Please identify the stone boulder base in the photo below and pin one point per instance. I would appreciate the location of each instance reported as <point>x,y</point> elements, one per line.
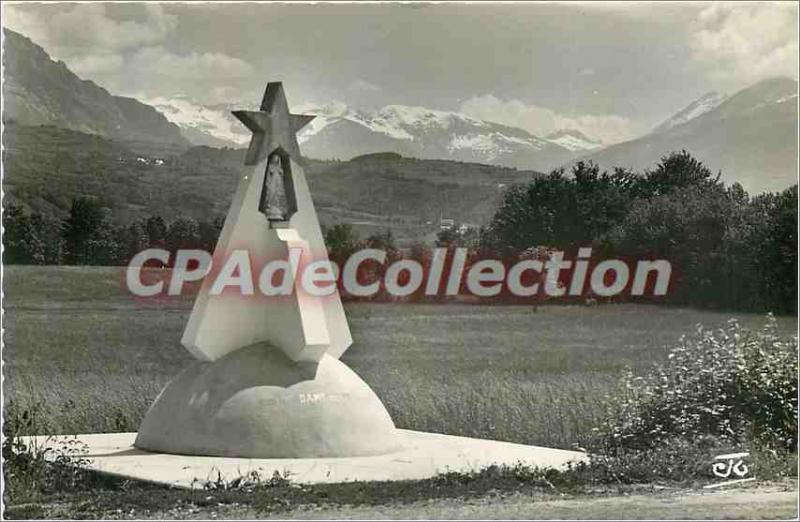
<point>257,403</point>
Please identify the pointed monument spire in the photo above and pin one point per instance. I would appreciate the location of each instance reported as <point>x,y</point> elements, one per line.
<point>303,326</point>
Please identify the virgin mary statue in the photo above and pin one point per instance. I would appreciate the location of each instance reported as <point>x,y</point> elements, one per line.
<point>273,201</point>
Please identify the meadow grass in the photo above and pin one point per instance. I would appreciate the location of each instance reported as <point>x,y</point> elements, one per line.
<point>94,358</point>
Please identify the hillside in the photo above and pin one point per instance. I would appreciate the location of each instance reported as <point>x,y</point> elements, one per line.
<point>409,192</point>
<point>45,167</point>
<point>751,137</point>
<point>38,90</point>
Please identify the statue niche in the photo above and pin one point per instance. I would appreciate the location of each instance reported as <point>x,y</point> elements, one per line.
<point>277,201</point>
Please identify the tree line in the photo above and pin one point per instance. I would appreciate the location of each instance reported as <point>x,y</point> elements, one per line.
<point>728,249</point>
<point>87,236</point>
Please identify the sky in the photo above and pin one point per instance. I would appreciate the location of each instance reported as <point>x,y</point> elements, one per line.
<point>611,70</point>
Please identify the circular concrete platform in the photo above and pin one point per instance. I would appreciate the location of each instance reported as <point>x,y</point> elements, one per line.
<point>257,403</point>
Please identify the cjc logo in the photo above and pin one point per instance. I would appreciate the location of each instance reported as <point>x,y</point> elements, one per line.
<point>730,464</point>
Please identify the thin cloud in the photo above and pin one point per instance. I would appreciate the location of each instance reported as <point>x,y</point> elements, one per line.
<point>85,28</point>
<point>160,62</point>
<point>360,85</point>
<point>747,42</point>
<point>542,121</point>
<point>122,55</point>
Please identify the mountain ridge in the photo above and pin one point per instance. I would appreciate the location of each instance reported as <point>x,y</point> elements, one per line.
<point>708,101</point>
<point>41,91</point>
<point>341,132</point>
<point>750,136</point>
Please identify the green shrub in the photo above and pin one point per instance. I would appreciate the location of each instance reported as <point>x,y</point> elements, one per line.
<point>735,385</point>
<point>30,470</point>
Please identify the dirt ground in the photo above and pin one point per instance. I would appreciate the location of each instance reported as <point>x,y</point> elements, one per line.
<point>761,501</point>
<point>764,502</point>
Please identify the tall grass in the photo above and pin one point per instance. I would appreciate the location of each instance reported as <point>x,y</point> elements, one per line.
<point>94,359</point>
<point>555,411</point>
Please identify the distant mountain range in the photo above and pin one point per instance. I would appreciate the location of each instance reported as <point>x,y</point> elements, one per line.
<point>426,133</point>
<point>341,132</point>
<point>38,90</point>
<point>751,136</point>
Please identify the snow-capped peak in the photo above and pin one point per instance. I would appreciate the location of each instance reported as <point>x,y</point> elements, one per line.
<point>423,117</point>
<point>396,121</point>
<point>197,119</point>
<point>340,131</point>
<point>698,107</point>
<point>573,140</point>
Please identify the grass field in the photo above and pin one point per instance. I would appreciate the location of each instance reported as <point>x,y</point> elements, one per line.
<point>94,358</point>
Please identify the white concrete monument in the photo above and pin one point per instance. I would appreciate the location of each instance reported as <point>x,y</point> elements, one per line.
<point>268,392</point>
<point>268,382</point>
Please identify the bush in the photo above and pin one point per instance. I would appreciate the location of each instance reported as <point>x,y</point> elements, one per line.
<point>30,471</point>
<point>733,385</point>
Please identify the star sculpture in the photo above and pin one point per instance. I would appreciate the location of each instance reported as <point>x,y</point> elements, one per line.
<point>272,125</point>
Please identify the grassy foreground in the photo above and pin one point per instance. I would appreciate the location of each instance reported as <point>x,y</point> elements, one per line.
<point>440,498</point>
<point>93,358</point>
<point>81,355</point>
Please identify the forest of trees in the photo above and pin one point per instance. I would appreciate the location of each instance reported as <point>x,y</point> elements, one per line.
<point>88,236</point>
<point>728,249</point>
